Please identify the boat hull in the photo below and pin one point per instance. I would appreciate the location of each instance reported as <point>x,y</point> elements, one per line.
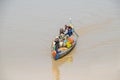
<point>65,52</point>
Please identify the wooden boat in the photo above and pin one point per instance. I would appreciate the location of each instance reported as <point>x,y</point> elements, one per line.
<point>63,50</point>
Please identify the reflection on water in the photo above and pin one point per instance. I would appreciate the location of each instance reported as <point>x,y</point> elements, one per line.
<point>56,64</point>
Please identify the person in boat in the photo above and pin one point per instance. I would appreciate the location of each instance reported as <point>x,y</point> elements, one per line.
<point>56,44</point>
<point>61,31</point>
<point>68,30</point>
<point>61,34</point>
<point>61,37</point>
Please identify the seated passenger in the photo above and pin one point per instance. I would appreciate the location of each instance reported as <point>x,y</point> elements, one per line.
<point>70,31</point>
<point>61,31</point>
<point>56,44</point>
<point>66,29</point>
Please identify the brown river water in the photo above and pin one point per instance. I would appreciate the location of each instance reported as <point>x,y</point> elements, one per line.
<point>27,28</point>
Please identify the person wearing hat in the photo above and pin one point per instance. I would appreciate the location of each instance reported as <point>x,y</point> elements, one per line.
<point>70,31</point>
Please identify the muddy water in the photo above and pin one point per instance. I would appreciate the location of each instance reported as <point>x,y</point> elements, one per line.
<point>28,27</point>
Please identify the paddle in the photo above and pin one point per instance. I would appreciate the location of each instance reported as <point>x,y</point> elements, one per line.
<point>70,21</point>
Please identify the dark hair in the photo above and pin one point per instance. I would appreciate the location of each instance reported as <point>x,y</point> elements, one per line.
<point>61,30</point>
<point>69,27</point>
